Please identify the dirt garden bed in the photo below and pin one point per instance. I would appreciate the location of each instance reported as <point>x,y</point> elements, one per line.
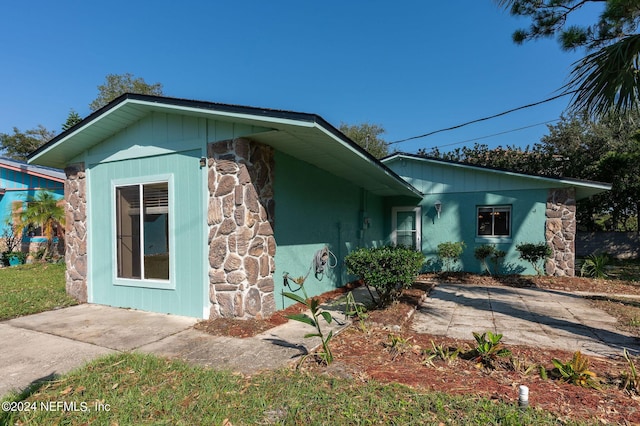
<point>383,348</point>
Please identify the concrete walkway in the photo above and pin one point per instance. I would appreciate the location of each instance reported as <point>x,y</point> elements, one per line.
<point>55,342</point>
<point>44,345</point>
<point>525,316</point>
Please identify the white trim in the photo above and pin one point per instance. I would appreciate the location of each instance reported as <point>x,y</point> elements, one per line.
<point>418,218</point>
<point>492,236</point>
<point>169,284</point>
<point>570,182</point>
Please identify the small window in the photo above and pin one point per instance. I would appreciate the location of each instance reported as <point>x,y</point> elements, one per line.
<point>142,240</point>
<point>494,221</point>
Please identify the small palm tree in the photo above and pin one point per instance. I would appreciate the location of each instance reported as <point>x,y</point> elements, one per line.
<point>42,210</point>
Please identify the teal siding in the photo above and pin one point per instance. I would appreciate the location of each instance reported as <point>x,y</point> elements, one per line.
<point>434,178</point>
<point>186,230</point>
<point>461,190</point>
<point>156,145</point>
<point>314,209</point>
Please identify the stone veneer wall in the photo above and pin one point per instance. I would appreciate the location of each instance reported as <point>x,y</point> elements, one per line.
<point>75,196</point>
<point>240,218</point>
<point>560,231</point>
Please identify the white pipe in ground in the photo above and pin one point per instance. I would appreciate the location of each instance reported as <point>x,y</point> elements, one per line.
<point>523,396</point>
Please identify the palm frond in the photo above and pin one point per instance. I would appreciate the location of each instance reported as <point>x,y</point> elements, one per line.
<point>607,80</point>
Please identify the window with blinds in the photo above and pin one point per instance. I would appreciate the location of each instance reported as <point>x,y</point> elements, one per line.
<point>142,227</point>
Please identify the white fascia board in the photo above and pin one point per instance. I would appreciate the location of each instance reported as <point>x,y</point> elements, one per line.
<point>218,113</point>
<point>357,152</point>
<point>569,182</point>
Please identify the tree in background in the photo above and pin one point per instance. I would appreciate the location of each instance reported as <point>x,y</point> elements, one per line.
<point>72,119</point>
<point>606,150</point>
<point>20,144</point>
<point>42,210</point>
<point>368,137</point>
<point>118,84</point>
<point>607,79</point>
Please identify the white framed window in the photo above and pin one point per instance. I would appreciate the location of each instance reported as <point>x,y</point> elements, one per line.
<point>143,237</point>
<point>406,229</point>
<point>493,221</point>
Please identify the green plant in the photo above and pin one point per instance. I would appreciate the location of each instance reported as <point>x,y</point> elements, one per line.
<point>388,269</point>
<point>544,375</point>
<point>595,266</point>
<point>397,345</point>
<point>6,256</point>
<point>482,253</point>
<point>488,349</point>
<point>355,309</point>
<point>631,380</point>
<point>450,253</point>
<point>575,371</point>
<point>521,366</point>
<point>534,253</point>
<point>486,253</point>
<point>447,354</point>
<point>314,320</point>
<point>44,210</point>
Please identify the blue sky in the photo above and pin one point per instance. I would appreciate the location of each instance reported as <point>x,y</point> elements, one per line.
<point>410,66</point>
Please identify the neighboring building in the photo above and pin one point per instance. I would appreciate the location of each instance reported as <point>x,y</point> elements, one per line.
<point>18,182</point>
<point>232,198</point>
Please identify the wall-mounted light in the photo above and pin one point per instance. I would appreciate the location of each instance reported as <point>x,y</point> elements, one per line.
<point>203,161</point>
<point>438,206</point>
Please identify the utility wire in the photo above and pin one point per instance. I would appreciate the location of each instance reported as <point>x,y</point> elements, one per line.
<point>498,134</point>
<point>483,118</point>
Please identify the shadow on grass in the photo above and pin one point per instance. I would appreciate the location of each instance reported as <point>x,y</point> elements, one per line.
<point>31,389</point>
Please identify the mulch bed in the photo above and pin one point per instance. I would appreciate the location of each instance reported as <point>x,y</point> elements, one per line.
<point>362,352</point>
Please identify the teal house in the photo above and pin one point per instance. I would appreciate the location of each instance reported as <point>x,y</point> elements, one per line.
<point>20,181</point>
<point>203,209</point>
<point>484,206</point>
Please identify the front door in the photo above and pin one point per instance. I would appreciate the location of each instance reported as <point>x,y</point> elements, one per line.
<point>405,227</point>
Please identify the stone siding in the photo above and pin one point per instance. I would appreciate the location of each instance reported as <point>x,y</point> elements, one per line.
<point>240,218</point>
<point>75,195</point>
<point>560,232</point>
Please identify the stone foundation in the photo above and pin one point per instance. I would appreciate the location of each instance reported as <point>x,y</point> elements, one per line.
<point>75,197</point>
<point>240,218</point>
<point>560,232</point>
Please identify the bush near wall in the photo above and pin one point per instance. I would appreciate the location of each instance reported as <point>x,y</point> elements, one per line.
<point>388,269</point>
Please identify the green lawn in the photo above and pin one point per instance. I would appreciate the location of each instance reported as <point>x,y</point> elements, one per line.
<point>144,389</point>
<point>29,289</point>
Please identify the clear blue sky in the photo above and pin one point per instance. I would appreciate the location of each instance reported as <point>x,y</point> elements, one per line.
<point>410,66</point>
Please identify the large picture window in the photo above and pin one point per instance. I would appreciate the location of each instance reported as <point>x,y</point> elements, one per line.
<point>494,221</point>
<point>142,228</point>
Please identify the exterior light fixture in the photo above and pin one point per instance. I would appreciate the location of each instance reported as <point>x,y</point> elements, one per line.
<point>438,206</point>
<point>203,161</point>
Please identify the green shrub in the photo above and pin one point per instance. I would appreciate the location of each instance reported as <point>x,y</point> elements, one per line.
<point>488,349</point>
<point>487,252</point>
<point>575,371</point>
<point>450,253</point>
<point>534,253</point>
<point>595,266</point>
<point>388,269</point>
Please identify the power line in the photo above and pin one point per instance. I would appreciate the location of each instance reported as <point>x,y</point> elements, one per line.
<point>482,119</point>
<point>498,134</point>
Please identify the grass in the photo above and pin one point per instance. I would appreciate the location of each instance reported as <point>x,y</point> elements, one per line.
<point>144,389</point>
<point>29,289</point>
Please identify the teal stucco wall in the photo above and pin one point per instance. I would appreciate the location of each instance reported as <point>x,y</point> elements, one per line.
<point>316,209</point>
<point>458,220</point>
